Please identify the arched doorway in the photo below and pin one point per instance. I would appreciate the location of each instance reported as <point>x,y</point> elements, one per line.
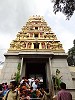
<point>36,70</point>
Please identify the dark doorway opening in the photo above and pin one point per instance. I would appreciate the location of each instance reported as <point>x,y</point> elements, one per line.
<point>36,70</point>
<point>36,45</point>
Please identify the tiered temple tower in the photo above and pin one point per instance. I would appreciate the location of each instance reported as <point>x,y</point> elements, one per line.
<point>36,36</point>
<point>40,53</point>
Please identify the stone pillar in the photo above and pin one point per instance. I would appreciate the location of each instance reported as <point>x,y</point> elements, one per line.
<point>21,67</point>
<point>47,74</point>
<point>50,79</point>
<point>24,69</point>
<point>23,73</point>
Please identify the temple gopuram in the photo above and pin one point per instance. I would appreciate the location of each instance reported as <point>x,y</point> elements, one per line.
<point>40,53</point>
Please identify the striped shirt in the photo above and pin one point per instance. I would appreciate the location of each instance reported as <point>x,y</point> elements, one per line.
<point>64,95</point>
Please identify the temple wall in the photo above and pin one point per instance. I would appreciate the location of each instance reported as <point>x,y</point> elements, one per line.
<point>61,65</point>
<point>9,68</point>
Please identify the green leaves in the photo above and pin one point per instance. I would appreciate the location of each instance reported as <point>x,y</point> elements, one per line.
<point>71,55</point>
<point>17,78</point>
<point>67,7</point>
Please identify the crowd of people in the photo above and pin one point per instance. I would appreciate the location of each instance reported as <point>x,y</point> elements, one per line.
<point>31,89</point>
<point>27,89</point>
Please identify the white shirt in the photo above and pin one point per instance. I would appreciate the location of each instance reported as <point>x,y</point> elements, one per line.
<point>34,86</point>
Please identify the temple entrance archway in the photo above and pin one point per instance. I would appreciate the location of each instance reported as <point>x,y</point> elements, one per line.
<point>36,70</point>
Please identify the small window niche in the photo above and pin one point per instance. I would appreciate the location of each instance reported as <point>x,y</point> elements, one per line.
<point>35,35</point>
<point>36,45</point>
<point>36,28</point>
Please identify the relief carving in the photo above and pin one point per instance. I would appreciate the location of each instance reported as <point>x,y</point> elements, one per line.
<point>60,46</point>
<point>31,34</point>
<point>41,35</point>
<point>48,45</point>
<point>12,46</point>
<point>29,45</point>
<point>17,45</point>
<point>23,45</point>
<point>43,45</point>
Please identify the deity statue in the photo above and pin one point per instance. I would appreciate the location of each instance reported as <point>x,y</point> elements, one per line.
<point>41,35</point>
<point>48,46</point>
<point>43,45</point>
<point>24,45</point>
<point>29,45</point>
<point>31,34</point>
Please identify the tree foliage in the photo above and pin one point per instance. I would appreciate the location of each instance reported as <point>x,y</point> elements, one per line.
<point>71,56</point>
<point>65,6</point>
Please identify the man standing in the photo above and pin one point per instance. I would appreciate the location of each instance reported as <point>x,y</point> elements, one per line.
<point>12,94</point>
<point>63,94</point>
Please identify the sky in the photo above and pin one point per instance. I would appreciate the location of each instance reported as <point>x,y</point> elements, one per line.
<point>15,13</point>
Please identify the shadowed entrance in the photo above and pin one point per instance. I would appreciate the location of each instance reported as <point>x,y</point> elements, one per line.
<point>36,70</point>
